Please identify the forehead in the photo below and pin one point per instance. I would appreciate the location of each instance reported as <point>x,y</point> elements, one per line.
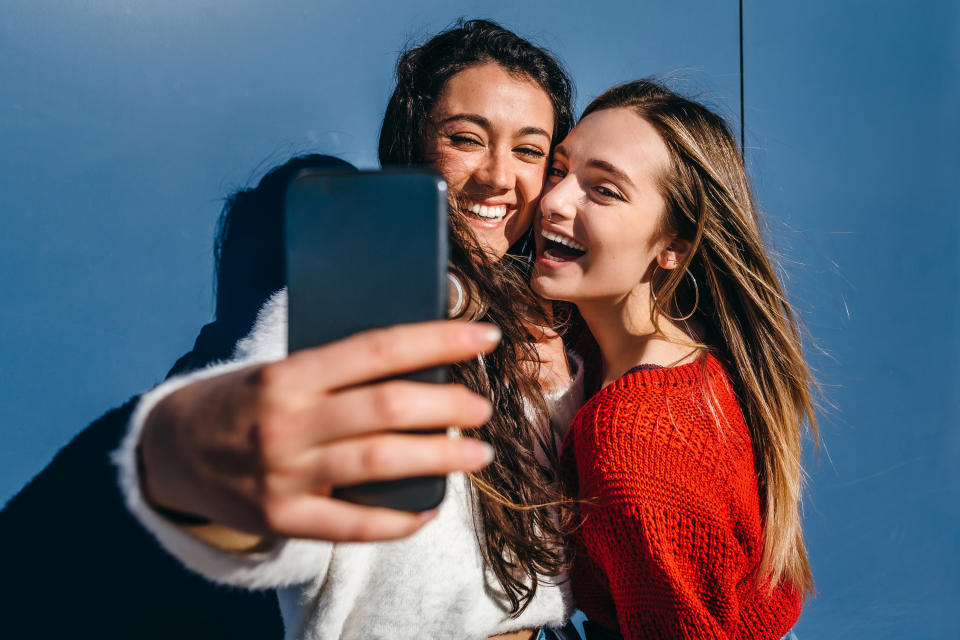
<point>622,138</point>
<point>491,91</point>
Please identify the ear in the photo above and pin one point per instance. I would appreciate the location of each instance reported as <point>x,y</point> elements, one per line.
<point>674,253</point>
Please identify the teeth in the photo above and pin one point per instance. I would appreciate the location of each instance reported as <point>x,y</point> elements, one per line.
<point>494,212</point>
<point>569,242</point>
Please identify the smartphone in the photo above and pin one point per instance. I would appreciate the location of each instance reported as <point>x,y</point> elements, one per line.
<point>368,249</point>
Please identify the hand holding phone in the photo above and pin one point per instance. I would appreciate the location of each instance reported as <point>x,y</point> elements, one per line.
<point>257,449</point>
<point>368,250</point>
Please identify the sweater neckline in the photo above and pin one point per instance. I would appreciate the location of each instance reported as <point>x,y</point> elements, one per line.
<point>682,375</point>
<point>668,379</point>
<point>644,366</point>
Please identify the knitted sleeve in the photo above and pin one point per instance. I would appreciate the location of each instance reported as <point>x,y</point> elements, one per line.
<point>661,529</point>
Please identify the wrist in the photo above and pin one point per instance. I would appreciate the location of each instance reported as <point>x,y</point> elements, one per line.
<point>201,527</point>
<point>174,515</point>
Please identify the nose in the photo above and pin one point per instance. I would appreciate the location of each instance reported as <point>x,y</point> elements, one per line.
<point>496,171</point>
<point>559,201</point>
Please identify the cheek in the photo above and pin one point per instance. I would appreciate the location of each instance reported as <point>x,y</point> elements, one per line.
<point>452,165</point>
<point>530,189</point>
<point>620,254</point>
<point>523,219</point>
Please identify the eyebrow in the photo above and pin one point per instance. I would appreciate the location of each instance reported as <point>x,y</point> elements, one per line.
<point>600,164</point>
<point>483,122</point>
<point>606,166</point>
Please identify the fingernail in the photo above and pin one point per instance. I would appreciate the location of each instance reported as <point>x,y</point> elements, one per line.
<point>480,452</point>
<point>484,408</point>
<point>484,335</point>
<point>427,516</point>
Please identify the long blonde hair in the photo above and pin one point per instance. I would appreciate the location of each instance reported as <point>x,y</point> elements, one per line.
<point>746,317</point>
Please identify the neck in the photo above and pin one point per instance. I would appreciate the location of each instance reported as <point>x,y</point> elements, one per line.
<point>627,336</point>
<point>554,368</point>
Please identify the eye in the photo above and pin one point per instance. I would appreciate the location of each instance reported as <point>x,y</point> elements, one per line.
<point>606,192</point>
<point>556,172</point>
<point>459,140</point>
<point>530,152</point>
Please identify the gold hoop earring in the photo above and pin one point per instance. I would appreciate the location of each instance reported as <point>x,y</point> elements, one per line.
<point>696,299</point>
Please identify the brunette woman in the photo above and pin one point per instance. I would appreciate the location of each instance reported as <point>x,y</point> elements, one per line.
<point>688,458</point>
<point>231,468</point>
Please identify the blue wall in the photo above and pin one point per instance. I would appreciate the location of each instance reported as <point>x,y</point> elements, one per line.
<point>124,123</point>
<point>852,123</point>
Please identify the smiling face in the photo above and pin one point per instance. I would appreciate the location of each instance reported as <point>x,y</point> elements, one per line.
<point>490,139</point>
<point>600,230</point>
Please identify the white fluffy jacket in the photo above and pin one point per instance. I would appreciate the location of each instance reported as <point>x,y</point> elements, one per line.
<point>432,584</point>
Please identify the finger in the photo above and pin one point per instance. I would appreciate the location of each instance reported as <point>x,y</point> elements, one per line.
<point>386,406</point>
<point>395,405</point>
<point>389,457</point>
<point>338,521</point>
<point>382,353</point>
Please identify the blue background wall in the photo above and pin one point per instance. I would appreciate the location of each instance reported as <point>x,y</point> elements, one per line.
<point>852,123</point>
<point>124,123</point>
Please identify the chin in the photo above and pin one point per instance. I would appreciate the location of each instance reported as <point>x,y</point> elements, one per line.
<point>493,241</point>
<point>495,238</point>
<point>546,288</point>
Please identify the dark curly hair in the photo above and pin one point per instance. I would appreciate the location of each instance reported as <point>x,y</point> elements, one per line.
<point>519,535</point>
<point>423,71</point>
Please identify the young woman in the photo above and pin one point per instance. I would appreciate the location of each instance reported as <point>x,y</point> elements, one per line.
<point>688,458</point>
<point>256,444</point>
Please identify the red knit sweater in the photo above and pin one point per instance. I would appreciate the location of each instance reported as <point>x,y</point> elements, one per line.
<point>672,532</point>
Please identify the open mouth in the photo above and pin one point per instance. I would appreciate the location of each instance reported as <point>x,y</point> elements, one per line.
<point>560,248</point>
<point>486,213</point>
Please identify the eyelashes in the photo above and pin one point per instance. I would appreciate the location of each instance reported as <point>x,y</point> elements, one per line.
<point>463,140</point>
<point>609,193</point>
<point>533,153</point>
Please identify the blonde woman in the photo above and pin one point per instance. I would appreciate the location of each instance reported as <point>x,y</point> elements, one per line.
<point>687,457</point>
